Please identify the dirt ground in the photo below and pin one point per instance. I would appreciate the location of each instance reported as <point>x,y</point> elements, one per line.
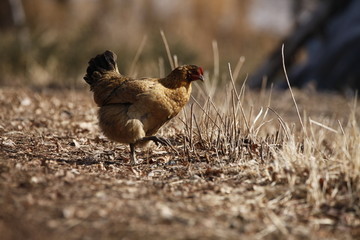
<point>60,178</point>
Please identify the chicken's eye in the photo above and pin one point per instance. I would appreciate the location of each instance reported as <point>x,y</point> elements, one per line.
<point>189,76</point>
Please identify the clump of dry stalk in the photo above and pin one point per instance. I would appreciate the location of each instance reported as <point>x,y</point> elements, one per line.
<point>224,125</point>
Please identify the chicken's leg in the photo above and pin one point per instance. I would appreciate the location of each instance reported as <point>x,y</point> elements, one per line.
<point>132,154</point>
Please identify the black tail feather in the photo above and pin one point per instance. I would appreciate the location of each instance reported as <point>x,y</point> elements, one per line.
<point>99,65</point>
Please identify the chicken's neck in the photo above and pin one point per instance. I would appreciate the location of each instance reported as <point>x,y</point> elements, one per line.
<point>174,81</point>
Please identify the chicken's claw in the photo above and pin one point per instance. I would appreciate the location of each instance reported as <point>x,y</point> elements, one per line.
<point>160,140</point>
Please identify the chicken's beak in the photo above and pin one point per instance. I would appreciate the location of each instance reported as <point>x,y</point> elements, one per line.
<point>197,77</point>
<point>201,78</point>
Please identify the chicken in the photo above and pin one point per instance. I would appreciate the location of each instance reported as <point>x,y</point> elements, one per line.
<point>131,110</point>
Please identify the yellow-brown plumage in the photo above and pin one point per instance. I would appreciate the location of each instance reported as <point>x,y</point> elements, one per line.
<point>132,110</point>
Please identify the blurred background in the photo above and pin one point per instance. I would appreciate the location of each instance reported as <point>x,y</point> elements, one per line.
<point>49,42</point>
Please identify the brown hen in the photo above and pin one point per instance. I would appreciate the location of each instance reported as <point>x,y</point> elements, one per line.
<point>133,110</point>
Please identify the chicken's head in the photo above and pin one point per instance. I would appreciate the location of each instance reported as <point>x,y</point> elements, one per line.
<point>193,73</point>
<point>183,76</point>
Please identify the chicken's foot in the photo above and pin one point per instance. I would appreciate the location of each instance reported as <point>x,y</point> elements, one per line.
<point>159,140</point>
<point>155,139</point>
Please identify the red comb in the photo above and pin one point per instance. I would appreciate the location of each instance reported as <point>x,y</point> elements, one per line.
<point>201,71</point>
